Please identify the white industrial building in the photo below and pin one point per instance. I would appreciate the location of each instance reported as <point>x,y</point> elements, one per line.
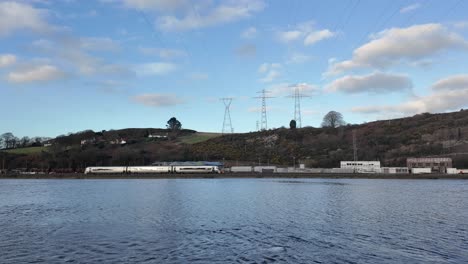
<point>361,166</point>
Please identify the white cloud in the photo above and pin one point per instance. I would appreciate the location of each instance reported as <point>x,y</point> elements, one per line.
<point>305,31</point>
<point>424,63</point>
<point>461,24</point>
<point>270,71</point>
<point>43,44</point>
<point>400,44</point>
<point>41,73</point>
<point>434,103</point>
<point>247,51</point>
<point>58,45</point>
<point>198,76</point>
<point>164,53</point>
<point>297,58</point>
<point>455,82</point>
<point>263,68</point>
<point>159,5</point>
<point>376,82</point>
<point>410,8</point>
<point>317,36</point>
<point>448,94</point>
<point>210,16</point>
<point>305,88</point>
<point>99,44</point>
<point>286,89</point>
<point>289,36</point>
<point>7,60</point>
<point>73,52</point>
<point>249,33</point>
<point>309,112</point>
<point>184,15</point>
<point>155,68</point>
<point>271,76</point>
<point>158,100</point>
<point>21,16</point>
<point>92,13</point>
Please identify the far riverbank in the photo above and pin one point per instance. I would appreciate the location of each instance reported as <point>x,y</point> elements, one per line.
<point>232,175</point>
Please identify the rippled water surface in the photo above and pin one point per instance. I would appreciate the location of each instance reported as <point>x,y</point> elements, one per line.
<point>234,220</point>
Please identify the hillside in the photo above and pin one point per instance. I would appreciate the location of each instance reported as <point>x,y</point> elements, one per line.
<point>390,141</point>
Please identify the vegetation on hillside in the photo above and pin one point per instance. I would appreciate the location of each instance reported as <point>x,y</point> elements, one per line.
<point>390,141</point>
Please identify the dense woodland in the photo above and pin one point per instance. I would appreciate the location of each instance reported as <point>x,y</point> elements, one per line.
<point>390,141</point>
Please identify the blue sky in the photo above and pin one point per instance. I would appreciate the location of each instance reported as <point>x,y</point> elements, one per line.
<point>67,66</point>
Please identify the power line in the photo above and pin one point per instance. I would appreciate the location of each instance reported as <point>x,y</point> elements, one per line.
<point>424,3</point>
<point>451,9</point>
<point>348,17</point>
<point>227,124</point>
<point>348,6</point>
<point>379,18</point>
<point>396,11</point>
<point>263,96</point>
<point>151,27</point>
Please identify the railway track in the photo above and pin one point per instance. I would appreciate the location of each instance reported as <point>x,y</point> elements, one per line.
<point>232,175</point>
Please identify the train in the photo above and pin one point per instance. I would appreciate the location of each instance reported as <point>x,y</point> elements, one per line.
<point>153,169</point>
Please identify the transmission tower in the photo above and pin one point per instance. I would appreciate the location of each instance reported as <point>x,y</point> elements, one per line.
<point>227,125</point>
<point>258,125</point>
<point>297,105</point>
<point>263,96</point>
<point>354,146</point>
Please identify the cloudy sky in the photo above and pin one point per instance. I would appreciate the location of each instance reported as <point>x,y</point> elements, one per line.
<point>71,65</point>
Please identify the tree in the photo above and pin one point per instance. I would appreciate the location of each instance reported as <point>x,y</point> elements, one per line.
<point>24,141</point>
<point>9,140</point>
<point>333,119</point>
<point>292,124</point>
<point>173,124</point>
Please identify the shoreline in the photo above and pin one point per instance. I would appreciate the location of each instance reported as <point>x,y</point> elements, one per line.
<point>235,176</point>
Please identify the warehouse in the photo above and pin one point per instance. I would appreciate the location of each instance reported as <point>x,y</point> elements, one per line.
<point>438,165</point>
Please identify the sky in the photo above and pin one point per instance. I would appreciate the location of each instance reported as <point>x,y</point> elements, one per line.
<point>69,65</point>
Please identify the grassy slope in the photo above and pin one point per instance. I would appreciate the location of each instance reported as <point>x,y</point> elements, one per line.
<point>198,137</point>
<point>30,150</point>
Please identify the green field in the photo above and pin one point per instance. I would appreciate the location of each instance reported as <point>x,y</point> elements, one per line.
<point>198,137</point>
<point>30,150</point>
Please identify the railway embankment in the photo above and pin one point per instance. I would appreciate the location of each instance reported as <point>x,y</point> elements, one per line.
<point>233,175</point>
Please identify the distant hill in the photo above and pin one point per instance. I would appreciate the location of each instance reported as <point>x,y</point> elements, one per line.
<point>390,141</point>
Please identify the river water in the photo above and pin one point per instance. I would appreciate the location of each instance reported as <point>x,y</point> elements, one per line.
<point>234,221</point>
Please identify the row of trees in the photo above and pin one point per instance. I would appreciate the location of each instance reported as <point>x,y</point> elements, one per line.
<point>8,141</point>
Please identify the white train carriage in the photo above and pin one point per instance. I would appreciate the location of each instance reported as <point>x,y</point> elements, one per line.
<point>153,169</point>
<point>149,169</point>
<point>104,170</point>
<point>195,169</point>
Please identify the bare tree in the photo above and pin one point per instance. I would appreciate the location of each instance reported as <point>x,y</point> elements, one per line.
<point>333,119</point>
<point>24,141</point>
<point>9,140</point>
